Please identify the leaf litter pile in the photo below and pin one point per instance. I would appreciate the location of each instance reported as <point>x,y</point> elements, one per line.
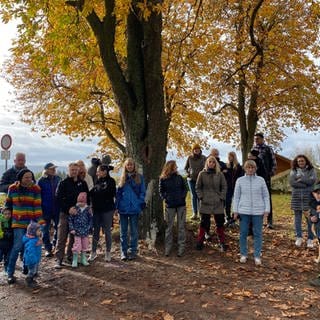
<point>205,284</point>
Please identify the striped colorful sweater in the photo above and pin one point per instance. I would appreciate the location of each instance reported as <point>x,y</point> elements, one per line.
<point>25,204</point>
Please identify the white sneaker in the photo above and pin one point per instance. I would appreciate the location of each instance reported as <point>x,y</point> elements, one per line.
<point>108,256</point>
<point>257,261</point>
<point>243,259</point>
<point>298,242</point>
<point>93,256</point>
<point>310,243</point>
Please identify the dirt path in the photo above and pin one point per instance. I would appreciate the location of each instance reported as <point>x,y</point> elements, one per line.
<point>201,285</point>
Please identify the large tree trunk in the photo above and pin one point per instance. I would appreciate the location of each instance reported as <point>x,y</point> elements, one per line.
<point>139,92</point>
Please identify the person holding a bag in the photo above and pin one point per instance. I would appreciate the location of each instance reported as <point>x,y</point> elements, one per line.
<point>130,201</point>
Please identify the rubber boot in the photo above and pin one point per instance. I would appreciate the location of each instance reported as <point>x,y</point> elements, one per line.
<point>75,260</point>
<point>84,260</point>
<point>200,239</point>
<point>222,238</point>
<point>31,283</point>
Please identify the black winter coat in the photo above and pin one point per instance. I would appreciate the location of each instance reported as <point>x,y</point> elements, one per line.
<point>103,195</point>
<point>173,190</point>
<point>68,191</point>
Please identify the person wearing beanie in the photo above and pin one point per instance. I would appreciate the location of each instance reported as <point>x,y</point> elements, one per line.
<point>32,242</point>
<point>10,176</point>
<point>80,224</point>
<point>24,201</point>
<point>48,183</point>
<point>92,170</point>
<point>194,164</point>
<point>67,194</point>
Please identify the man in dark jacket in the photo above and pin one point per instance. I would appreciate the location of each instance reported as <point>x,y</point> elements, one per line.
<point>266,154</point>
<point>67,193</point>
<point>48,183</point>
<point>10,176</point>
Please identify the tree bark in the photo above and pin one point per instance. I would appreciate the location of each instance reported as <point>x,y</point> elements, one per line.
<point>138,91</point>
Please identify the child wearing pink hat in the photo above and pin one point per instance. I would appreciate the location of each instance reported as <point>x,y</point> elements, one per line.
<point>80,224</point>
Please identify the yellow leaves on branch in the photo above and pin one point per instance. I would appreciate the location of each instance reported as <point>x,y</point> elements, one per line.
<point>147,8</point>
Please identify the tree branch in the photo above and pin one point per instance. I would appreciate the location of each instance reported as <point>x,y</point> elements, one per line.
<point>225,106</point>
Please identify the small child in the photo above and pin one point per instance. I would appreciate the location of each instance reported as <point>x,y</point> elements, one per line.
<point>80,224</point>
<point>32,242</point>
<point>6,237</point>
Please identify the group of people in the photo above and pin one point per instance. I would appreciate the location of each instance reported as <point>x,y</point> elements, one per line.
<point>75,206</point>
<point>215,185</point>
<point>86,200</point>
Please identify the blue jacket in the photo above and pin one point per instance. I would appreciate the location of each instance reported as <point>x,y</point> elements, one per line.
<point>173,190</point>
<point>32,250</point>
<point>251,196</point>
<point>49,202</point>
<point>81,223</point>
<point>130,197</point>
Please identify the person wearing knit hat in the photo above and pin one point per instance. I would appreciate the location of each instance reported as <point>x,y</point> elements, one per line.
<point>80,224</point>
<point>194,164</point>
<point>24,201</point>
<point>92,170</point>
<point>32,242</point>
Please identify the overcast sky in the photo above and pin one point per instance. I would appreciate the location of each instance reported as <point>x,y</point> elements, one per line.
<point>61,150</point>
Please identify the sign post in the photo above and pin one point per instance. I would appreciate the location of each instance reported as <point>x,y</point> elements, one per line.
<point>6,143</point>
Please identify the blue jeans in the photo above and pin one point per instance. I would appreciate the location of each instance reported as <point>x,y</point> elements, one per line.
<point>46,233</point>
<point>18,234</point>
<point>132,221</point>
<point>257,222</point>
<point>298,224</point>
<point>194,197</point>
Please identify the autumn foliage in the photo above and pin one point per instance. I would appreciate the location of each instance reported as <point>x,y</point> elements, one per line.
<point>229,68</point>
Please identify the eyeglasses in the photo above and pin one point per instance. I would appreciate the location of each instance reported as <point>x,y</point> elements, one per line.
<point>302,160</point>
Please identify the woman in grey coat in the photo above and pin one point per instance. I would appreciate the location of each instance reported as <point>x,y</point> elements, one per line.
<point>211,188</point>
<point>302,178</point>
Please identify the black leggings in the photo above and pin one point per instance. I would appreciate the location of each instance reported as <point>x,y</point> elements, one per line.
<point>206,220</point>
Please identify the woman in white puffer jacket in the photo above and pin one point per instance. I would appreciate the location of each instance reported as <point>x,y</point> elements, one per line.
<point>251,203</point>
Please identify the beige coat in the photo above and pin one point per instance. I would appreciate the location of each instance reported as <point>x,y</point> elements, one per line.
<point>211,189</point>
